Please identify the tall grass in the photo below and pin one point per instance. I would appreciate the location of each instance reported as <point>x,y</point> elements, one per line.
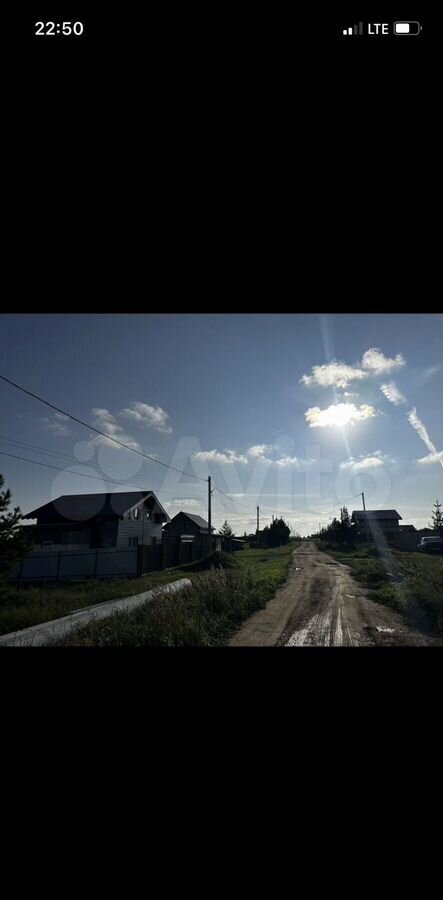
<point>204,615</point>
<point>33,604</point>
<point>418,593</point>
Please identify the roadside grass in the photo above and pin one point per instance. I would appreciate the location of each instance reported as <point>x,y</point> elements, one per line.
<point>33,604</point>
<point>417,592</point>
<point>217,560</point>
<point>205,615</point>
<point>364,551</point>
<point>272,564</point>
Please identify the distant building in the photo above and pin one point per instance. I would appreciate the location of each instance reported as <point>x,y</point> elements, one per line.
<point>185,539</point>
<point>187,525</point>
<point>376,522</point>
<point>99,521</point>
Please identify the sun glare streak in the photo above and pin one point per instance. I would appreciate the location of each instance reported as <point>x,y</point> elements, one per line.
<point>327,337</point>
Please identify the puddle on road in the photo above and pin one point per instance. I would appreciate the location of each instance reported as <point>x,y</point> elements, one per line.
<point>319,632</point>
<point>350,595</point>
<point>386,630</point>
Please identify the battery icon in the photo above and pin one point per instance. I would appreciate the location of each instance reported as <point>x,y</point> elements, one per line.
<point>407,27</point>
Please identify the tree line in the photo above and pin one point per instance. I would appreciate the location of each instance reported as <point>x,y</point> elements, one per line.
<point>341,531</point>
<point>275,535</point>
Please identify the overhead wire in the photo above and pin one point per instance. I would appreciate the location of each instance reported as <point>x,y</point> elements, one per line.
<point>133,450</point>
<point>97,430</point>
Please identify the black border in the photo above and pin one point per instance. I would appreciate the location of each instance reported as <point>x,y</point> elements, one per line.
<point>325,114</point>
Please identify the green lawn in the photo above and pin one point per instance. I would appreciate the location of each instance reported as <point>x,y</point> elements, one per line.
<point>415,590</point>
<point>206,614</point>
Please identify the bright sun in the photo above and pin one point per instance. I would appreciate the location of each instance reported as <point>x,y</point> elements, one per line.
<point>339,414</point>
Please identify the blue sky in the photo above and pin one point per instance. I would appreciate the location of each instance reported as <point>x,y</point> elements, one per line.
<point>296,413</point>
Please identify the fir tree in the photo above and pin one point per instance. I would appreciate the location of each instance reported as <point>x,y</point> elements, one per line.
<point>15,542</point>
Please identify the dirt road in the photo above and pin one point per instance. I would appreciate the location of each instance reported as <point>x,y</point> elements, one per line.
<point>321,605</point>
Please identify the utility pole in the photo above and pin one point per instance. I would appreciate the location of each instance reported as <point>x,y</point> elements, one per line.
<point>364,508</point>
<point>209,513</point>
<point>258,526</point>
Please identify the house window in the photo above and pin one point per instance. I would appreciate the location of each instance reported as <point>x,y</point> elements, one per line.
<point>133,542</point>
<point>135,513</point>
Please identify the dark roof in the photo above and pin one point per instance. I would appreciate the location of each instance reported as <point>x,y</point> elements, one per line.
<point>201,523</point>
<point>361,515</point>
<point>87,506</point>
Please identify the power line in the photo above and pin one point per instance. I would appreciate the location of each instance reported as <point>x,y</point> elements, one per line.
<point>287,512</point>
<point>97,477</point>
<point>97,430</point>
<point>126,447</point>
<point>234,512</point>
<point>67,472</point>
<point>229,509</point>
<point>84,474</point>
<point>36,449</point>
<point>112,481</point>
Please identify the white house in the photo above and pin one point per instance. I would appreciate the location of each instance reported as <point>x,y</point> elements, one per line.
<point>98,521</point>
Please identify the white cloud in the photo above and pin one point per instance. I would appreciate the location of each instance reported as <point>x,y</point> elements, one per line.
<point>338,414</point>
<point>56,424</point>
<point>377,362</point>
<point>432,458</point>
<point>257,454</point>
<point>393,394</point>
<point>151,416</point>
<point>333,374</point>
<point>185,502</point>
<point>423,377</point>
<point>340,374</point>
<point>434,454</point>
<point>229,457</point>
<point>259,451</point>
<point>288,462</point>
<point>420,428</point>
<point>363,463</point>
<point>106,422</point>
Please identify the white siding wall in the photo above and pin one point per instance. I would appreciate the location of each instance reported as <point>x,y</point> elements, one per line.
<point>134,528</point>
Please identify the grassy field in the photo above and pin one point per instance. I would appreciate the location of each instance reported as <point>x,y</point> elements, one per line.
<point>34,604</point>
<point>411,583</point>
<point>271,565</point>
<point>206,614</point>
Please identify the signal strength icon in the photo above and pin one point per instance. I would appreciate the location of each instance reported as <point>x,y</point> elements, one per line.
<point>354,29</point>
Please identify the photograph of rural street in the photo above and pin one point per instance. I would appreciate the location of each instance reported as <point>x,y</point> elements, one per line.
<point>221,480</point>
